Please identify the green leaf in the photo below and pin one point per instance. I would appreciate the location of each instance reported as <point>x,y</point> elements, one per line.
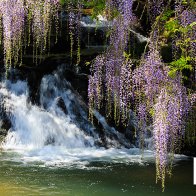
<point>192,24</point>
<point>166,15</point>
<point>127,56</point>
<point>172,26</point>
<point>87,63</point>
<point>180,64</point>
<point>172,72</point>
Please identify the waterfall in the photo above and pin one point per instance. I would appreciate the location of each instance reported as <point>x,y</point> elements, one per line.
<point>57,131</point>
<point>35,127</point>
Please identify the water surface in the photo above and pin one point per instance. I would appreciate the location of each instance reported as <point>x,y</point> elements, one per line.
<point>96,177</point>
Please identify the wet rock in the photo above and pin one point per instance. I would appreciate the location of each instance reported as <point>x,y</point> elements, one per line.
<point>50,141</point>
<point>5,123</point>
<point>61,104</point>
<point>3,132</point>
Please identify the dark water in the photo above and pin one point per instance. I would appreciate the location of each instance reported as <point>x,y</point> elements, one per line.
<point>98,178</point>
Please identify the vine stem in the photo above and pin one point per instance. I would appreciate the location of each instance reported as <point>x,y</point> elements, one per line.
<point>152,32</point>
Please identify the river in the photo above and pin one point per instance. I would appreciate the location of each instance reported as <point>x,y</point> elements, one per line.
<point>95,177</point>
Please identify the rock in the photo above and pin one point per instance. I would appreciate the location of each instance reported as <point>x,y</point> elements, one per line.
<point>50,141</point>
<point>5,123</point>
<point>3,132</point>
<point>60,103</point>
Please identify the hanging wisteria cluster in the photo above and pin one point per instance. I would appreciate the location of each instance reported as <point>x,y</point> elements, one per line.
<point>170,110</point>
<point>158,99</point>
<point>40,14</point>
<point>75,13</point>
<point>112,72</point>
<point>12,13</point>
<point>165,101</point>
<point>15,15</point>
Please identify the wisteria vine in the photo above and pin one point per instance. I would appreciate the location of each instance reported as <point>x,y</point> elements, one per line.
<point>15,15</point>
<point>74,13</point>
<point>166,102</point>
<point>12,15</point>
<point>112,72</point>
<point>157,98</point>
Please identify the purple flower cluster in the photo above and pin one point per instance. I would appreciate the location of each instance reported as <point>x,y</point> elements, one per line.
<point>113,68</point>
<point>74,13</point>
<point>125,8</point>
<point>151,75</point>
<point>72,19</point>
<point>125,90</point>
<point>161,134</point>
<point>165,99</point>
<point>169,112</point>
<point>120,28</point>
<point>186,18</point>
<point>192,99</point>
<point>155,7</point>
<point>14,16</point>
<point>40,14</point>
<point>96,81</point>
<point>142,117</point>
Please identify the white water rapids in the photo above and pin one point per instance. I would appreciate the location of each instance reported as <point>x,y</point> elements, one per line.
<point>47,135</point>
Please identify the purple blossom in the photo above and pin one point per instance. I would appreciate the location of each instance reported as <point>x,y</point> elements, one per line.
<point>115,70</point>
<point>14,15</point>
<point>167,100</point>
<point>155,8</point>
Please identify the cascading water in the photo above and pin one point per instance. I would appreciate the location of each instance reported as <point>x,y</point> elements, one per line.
<point>57,97</point>
<point>57,132</point>
<point>34,127</point>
